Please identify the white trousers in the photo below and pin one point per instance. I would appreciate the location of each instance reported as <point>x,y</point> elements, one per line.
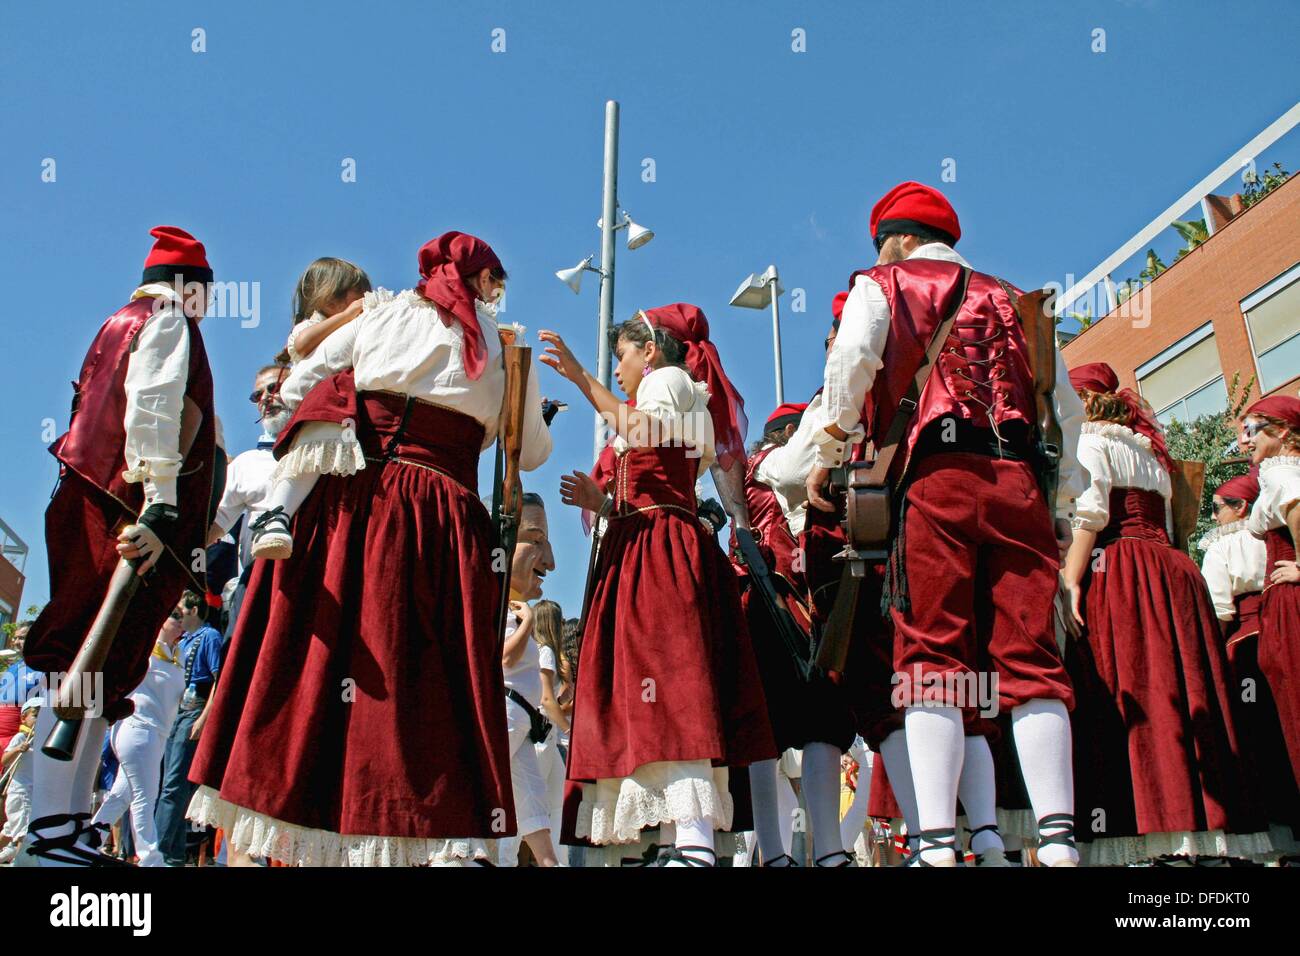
<point>552,767</point>
<point>62,786</point>
<point>139,748</point>
<point>532,811</point>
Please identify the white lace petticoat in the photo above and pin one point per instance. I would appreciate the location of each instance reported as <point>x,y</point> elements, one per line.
<point>259,835</point>
<point>617,809</point>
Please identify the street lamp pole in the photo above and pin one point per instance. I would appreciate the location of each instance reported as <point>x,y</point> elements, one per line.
<point>609,204</point>
<point>776,332</point>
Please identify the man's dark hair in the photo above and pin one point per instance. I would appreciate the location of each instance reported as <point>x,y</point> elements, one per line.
<point>531,498</point>
<point>191,600</point>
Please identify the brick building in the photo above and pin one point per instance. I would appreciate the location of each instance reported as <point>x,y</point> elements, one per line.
<point>1230,306</point>
<point>13,561</point>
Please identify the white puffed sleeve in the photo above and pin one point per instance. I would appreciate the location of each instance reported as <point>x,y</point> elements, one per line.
<point>157,373</point>
<point>334,355</point>
<point>1214,568</point>
<point>679,407</point>
<point>1279,490</point>
<point>1092,508</point>
<point>1071,479</point>
<point>851,366</point>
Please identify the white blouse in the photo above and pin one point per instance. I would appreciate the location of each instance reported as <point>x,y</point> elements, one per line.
<point>1279,489</point>
<point>1234,564</point>
<point>679,408</point>
<point>158,697</point>
<point>785,470</point>
<point>1116,456</point>
<point>403,346</point>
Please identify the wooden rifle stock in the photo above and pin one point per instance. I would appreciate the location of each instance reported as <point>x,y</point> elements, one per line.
<point>1039,326</point>
<point>508,493</point>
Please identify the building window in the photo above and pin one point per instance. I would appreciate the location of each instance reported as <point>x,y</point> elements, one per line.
<point>1273,323</point>
<point>1185,381</point>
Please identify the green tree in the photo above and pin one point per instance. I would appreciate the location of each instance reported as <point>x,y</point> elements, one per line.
<point>1255,187</point>
<point>1211,439</point>
<point>1194,233</point>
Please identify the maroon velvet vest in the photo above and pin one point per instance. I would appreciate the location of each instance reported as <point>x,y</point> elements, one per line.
<point>1246,623</point>
<point>1135,513</point>
<point>402,427</point>
<point>1279,547</point>
<point>983,369</point>
<point>655,478</point>
<point>94,445</point>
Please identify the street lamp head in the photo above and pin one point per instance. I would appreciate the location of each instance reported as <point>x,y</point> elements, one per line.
<point>756,291</point>
<point>573,277</point>
<point>637,236</point>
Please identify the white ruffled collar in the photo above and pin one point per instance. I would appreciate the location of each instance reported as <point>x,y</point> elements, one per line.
<point>377,297</point>
<point>1279,461</point>
<point>1120,433</point>
<point>1223,531</point>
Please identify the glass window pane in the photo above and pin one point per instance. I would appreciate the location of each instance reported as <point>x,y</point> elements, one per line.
<point>1184,374</point>
<point>1275,319</point>
<point>1211,399</point>
<point>1279,364</point>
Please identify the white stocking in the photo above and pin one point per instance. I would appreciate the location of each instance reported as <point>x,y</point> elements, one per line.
<point>977,788</point>
<point>767,810</point>
<point>935,746</point>
<point>290,493</point>
<point>821,791</point>
<point>698,834</point>
<point>1042,732</point>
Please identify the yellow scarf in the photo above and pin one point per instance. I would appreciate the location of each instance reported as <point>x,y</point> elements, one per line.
<point>164,653</point>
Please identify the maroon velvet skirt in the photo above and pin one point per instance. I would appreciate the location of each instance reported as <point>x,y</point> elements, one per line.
<point>801,711</point>
<point>1154,735</point>
<point>1263,754</point>
<point>1279,644</point>
<point>363,689</point>
<point>668,672</point>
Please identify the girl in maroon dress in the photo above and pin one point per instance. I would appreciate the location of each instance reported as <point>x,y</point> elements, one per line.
<point>1155,744</point>
<point>1272,431</point>
<point>669,695</point>
<point>1235,568</point>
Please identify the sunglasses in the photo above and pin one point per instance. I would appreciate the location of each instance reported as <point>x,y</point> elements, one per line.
<point>258,393</point>
<point>880,240</point>
<point>1251,429</point>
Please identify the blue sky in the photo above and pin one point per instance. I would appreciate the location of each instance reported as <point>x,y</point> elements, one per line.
<point>761,155</point>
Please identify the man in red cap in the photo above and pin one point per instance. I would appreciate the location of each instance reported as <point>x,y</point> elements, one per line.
<point>973,525</point>
<point>136,481</point>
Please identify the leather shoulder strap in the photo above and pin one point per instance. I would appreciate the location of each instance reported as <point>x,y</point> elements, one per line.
<point>878,474</point>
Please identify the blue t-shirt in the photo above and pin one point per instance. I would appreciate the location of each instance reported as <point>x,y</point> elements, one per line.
<point>200,655</point>
<point>18,682</point>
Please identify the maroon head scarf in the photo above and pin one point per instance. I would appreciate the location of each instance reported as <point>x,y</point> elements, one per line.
<point>1243,487</point>
<point>443,262</point>
<point>687,324</point>
<point>1282,407</point>
<point>1100,377</point>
